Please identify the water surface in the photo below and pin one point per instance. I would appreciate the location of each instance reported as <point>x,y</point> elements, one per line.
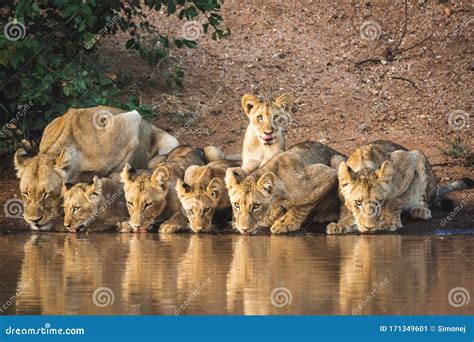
<point>188,274</point>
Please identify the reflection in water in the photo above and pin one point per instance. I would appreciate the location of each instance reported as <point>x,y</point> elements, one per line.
<point>232,274</point>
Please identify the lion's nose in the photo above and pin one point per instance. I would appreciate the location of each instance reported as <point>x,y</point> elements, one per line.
<point>67,225</point>
<point>268,132</point>
<point>36,220</point>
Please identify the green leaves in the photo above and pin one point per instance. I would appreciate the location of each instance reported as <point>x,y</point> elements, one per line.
<point>57,63</point>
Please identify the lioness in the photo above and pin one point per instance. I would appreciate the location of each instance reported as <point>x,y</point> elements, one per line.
<point>151,194</point>
<point>96,206</point>
<point>282,193</point>
<point>77,145</point>
<point>264,135</point>
<point>378,182</point>
<point>203,194</point>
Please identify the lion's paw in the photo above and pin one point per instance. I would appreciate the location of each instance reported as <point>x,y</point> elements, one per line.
<point>420,213</point>
<point>336,228</point>
<point>169,228</point>
<point>283,227</point>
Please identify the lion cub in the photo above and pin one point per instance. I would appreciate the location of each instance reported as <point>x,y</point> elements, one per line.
<point>96,206</point>
<point>264,135</point>
<point>151,194</point>
<point>378,182</point>
<point>203,194</point>
<point>283,192</point>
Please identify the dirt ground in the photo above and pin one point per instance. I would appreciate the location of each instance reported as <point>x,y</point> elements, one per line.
<point>311,50</point>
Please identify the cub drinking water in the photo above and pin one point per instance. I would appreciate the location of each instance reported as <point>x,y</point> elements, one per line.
<point>96,206</point>
<point>379,181</point>
<point>203,194</point>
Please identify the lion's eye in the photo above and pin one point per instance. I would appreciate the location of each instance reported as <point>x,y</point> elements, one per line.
<point>75,209</point>
<point>259,117</point>
<point>25,193</point>
<point>148,204</point>
<point>205,211</point>
<point>130,204</point>
<point>379,202</point>
<point>190,212</point>
<point>358,203</point>
<point>236,205</point>
<point>256,206</point>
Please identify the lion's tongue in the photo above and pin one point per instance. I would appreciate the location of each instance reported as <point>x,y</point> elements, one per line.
<point>267,137</point>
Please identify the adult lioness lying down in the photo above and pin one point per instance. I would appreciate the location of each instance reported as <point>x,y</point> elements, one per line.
<point>79,144</point>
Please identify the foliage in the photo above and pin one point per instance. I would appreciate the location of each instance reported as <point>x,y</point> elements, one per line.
<point>49,54</point>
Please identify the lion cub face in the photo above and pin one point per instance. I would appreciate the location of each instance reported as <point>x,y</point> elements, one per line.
<point>251,200</point>
<point>200,203</point>
<point>81,204</point>
<point>145,195</point>
<point>365,193</point>
<point>268,118</point>
<point>41,178</point>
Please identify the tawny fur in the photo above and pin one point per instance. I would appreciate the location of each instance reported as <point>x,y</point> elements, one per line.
<point>283,192</point>
<point>378,182</point>
<point>94,206</point>
<point>203,193</point>
<point>264,136</point>
<point>151,194</point>
<point>79,144</point>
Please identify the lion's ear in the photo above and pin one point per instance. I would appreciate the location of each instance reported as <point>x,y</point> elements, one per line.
<point>66,186</point>
<point>125,174</point>
<point>95,189</point>
<point>248,102</point>
<point>160,177</point>
<point>63,162</point>
<point>345,174</point>
<point>20,161</point>
<point>190,174</point>
<point>215,187</point>
<point>266,183</point>
<point>233,176</point>
<point>285,101</point>
<point>181,188</point>
<point>385,172</point>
